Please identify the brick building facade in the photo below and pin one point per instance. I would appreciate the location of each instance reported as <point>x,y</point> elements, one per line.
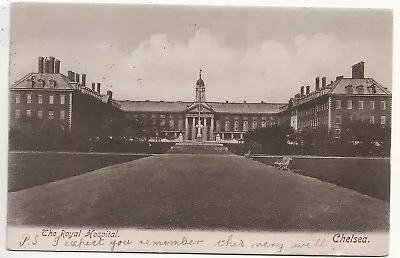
<point>50,95</point>
<point>66,101</point>
<point>342,100</point>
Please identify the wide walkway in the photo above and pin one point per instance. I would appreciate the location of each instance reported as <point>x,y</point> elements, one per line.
<point>197,192</point>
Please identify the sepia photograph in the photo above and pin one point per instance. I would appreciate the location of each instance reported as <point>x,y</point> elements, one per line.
<point>199,129</point>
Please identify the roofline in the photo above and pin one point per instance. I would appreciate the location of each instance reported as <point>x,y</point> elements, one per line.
<point>39,89</point>
<point>208,102</point>
<point>360,95</point>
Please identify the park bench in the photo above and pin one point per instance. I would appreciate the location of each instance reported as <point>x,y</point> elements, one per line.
<point>283,164</point>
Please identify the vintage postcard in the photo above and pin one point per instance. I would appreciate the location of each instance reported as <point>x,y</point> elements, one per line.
<point>199,129</point>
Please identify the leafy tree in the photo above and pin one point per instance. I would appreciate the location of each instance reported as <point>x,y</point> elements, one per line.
<point>273,139</point>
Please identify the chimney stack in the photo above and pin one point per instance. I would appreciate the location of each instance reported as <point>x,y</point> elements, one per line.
<point>72,76</point>
<point>98,87</point>
<point>51,64</point>
<point>357,71</point>
<point>93,86</point>
<point>77,78</point>
<point>307,90</point>
<point>297,95</point>
<point>317,84</point>
<point>301,91</point>
<point>84,80</point>
<point>57,66</point>
<point>40,64</point>
<point>323,82</point>
<point>46,65</point>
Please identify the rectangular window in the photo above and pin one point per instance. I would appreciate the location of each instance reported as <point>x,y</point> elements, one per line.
<point>51,99</point>
<point>40,99</point>
<point>383,120</point>
<point>349,104</point>
<point>40,114</point>
<point>227,126</point>
<point>372,105</point>
<point>51,114</point>
<point>236,126</point>
<point>360,104</point>
<point>62,114</point>
<point>17,113</point>
<point>180,125</point>
<point>383,105</point>
<point>28,113</point>
<point>338,119</point>
<point>17,98</point>
<point>264,124</point>
<point>29,98</point>
<point>171,124</point>
<point>372,119</point>
<point>62,99</point>
<point>338,104</point>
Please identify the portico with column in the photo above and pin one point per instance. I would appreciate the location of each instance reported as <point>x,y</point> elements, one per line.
<point>206,129</point>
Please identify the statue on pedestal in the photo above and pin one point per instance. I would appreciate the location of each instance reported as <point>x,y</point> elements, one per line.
<point>199,127</point>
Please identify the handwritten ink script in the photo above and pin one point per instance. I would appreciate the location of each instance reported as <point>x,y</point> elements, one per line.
<point>127,240</point>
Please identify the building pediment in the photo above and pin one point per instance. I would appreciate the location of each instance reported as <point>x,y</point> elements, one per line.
<point>202,108</point>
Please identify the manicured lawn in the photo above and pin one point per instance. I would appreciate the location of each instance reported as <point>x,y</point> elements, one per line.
<point>27,169</point>
<point>366,176</point>
<point>185,191</point>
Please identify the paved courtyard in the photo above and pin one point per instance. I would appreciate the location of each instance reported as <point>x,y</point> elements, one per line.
<point>188,191</point>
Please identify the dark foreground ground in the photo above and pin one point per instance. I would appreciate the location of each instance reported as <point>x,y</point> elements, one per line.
<point>366,176</point>
<point>197,192</point>
<point>28,169</point>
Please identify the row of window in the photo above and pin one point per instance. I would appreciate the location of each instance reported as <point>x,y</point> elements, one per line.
<point>39,114</point>
<point>39,99</point>
<point>162,116</point>
<point>371,119</point>
<point>314,122</point>
<point>314,109</point>
<point>360,89</point>
<point>360,104</point>
<point>227,125</point>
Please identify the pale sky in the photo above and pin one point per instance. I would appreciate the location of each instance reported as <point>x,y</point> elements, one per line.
<point>155,52</point>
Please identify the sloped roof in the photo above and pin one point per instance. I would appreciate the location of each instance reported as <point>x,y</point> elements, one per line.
<point>339,86</point>
<point>62,81</point>
<point>153,106</point>
<point>219,107</point>
<point>241,107</point>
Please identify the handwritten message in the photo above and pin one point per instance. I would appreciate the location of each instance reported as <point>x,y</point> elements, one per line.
<point>125,240</point>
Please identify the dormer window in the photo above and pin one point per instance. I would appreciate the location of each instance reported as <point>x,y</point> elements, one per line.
<point>41,83</point>
<point>372,89</point>
<point>349,89</point>
<point>32,81</point>
<point>360,89</point>
<point>52,83</point>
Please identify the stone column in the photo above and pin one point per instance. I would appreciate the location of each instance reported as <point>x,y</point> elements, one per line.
<point>232,136</point>
<point>212,129</point>
<point>222,136</point>
<point>205,129</point>
<point>193,129</point>
<point>186,128</point>
<point>241,136</point>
